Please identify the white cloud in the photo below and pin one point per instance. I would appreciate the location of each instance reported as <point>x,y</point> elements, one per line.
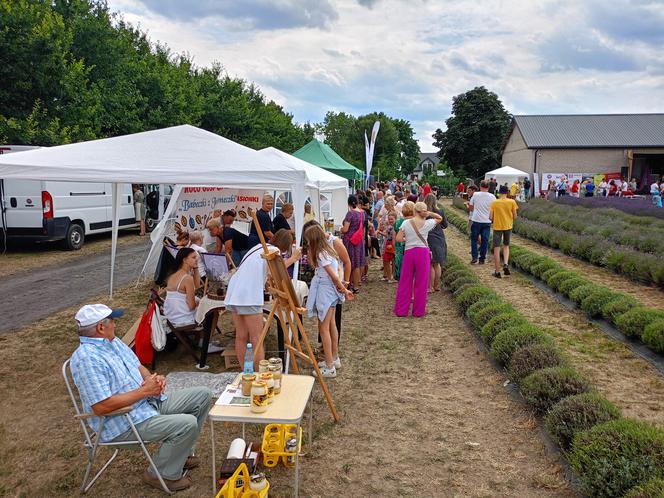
<point>409,58</point>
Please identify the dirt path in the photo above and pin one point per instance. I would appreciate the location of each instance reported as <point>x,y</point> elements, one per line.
<point>629,381</point>
<point>424,414</point>
<point>22,257</point>
<point>645,294</point>
<point>31,295</point>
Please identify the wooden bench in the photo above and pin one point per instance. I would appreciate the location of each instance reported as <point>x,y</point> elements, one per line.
<point>130,336</point>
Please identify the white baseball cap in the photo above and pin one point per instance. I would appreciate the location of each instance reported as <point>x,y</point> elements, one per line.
<point>94,313</point>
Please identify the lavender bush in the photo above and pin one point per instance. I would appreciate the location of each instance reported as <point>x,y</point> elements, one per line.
<point>636,207</point>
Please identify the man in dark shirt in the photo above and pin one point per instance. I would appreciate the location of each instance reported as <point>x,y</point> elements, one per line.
<point>264,220</point>
<point>493,184</point>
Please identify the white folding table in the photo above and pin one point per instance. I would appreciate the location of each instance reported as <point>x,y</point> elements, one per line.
<point>288,408</point>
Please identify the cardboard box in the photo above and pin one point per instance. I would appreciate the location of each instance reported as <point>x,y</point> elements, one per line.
<point>229,356</point>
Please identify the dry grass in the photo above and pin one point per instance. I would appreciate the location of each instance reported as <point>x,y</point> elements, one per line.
<point>423,414</point>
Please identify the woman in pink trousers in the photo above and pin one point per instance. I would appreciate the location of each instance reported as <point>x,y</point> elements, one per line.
<point>414,279</point>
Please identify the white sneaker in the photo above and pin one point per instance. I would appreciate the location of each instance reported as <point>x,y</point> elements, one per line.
<point>326,372</point>
<point>336,364</point>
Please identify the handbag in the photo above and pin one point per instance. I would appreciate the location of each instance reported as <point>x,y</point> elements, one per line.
<point>158,331</point>
<point>358,234</point>
<point>143,344</point>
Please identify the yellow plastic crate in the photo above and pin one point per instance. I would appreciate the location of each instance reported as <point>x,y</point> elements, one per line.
<point>237,486</point>
<point>274,442</point>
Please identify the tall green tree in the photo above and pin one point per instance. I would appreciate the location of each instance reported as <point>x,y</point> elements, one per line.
<point>71,70</point>
<point>410,149</point>
<point>475,132</point>
<point>395,146</point>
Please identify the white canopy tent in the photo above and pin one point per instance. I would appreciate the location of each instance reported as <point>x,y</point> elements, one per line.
<point>180,155</point>
<point>319,181</point>
<point>507,174</point>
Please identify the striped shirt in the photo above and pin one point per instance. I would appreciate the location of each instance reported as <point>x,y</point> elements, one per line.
<point>101,369</point>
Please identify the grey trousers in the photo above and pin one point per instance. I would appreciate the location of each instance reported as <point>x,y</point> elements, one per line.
<point>177,427</point>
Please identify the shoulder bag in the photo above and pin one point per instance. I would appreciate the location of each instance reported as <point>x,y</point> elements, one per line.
<point>358,234</point>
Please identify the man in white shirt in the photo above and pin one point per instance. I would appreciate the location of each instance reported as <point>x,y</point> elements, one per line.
<point>481,223</point>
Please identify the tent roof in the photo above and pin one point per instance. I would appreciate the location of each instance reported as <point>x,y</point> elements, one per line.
<point>506,171</point>
<point>317,177</point>
<point>180,154</point>
<point>323,155</point>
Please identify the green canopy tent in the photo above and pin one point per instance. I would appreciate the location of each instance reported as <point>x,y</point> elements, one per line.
<point>322,155</point>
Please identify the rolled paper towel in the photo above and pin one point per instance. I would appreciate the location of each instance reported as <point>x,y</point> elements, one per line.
<point>237,448</point>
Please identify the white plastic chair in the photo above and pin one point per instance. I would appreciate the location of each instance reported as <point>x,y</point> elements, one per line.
<point>92,441</point>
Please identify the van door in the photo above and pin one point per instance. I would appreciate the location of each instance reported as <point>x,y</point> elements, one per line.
<point>82,202</point>
<point>22,200</point>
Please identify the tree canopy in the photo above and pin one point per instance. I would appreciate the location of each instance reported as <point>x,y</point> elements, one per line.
<point>71,70</point>
<point>475,132</point>
<point>396,150</point>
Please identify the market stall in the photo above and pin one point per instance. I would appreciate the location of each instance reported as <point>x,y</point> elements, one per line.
<point>180,155</point>
<point>506,174</point>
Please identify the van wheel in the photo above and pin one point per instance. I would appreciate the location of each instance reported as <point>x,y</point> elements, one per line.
<point>75,237</point>
<point>150,223</point>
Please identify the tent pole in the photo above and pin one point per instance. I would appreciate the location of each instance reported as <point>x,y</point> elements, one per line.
<point>114,238</point>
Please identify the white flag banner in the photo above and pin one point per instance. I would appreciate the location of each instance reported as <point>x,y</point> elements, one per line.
<point>369,146</point>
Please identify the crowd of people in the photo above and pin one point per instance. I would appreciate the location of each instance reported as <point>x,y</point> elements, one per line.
<point>489,213</point>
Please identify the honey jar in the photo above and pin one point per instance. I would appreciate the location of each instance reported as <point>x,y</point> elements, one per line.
<point>259,397</point>
<point>275,370</point>
<point>268,379</point>
<point>247,380</point>
<point>263,366</point>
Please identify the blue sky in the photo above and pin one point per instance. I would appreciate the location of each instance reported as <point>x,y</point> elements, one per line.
<point>409,58</point>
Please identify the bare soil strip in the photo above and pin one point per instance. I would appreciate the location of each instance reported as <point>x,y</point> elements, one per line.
<point>424,413</point>
<point>622,377</point>
<point>647,295</point>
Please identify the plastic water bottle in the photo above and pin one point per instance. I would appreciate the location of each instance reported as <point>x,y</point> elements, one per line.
<point>249,359</point>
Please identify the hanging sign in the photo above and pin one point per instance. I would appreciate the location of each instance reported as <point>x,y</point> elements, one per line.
<point>197,205</point>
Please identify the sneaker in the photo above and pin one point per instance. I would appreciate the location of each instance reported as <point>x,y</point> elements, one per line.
<point>329,373</point>
<point>497,274</point>
<point>191,463</point>
<point>383,279</point>
<point>473,261</point>
<point>337,363</point>
<point>172,484</point>
<point>481,261</point>
<point>506,270</point>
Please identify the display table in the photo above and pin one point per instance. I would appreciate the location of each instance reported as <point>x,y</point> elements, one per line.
<point>287,408</point>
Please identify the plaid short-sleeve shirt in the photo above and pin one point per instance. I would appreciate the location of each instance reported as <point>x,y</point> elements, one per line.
<point>101,369</point>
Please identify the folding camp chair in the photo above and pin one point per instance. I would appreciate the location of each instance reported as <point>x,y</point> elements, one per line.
<point>92,441</point>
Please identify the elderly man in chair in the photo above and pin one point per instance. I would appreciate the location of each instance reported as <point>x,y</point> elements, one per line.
<point>109,377</point>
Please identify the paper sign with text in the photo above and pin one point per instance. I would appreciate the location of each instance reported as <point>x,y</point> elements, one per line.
<point>197,205</point>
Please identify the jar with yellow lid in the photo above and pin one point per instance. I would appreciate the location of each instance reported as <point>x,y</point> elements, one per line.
<point>259,403</point>
<point>275,370</point>
<point>247,381</point>
<point>268,379</point>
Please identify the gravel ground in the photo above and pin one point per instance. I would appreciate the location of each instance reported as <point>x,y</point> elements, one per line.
<point>37,293</point>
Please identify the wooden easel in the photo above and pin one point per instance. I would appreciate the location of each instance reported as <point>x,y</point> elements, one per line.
<point>286,308</point>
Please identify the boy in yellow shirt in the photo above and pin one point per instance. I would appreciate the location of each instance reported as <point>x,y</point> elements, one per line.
<point>502,214</point>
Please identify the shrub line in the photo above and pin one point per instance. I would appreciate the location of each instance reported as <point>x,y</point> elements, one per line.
<point>586,426</point>
<point>619,310</point>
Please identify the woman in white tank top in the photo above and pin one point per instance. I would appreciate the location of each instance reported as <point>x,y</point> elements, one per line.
<point>180,304</point>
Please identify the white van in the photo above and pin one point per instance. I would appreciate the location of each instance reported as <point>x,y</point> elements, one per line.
<point>68,211</point>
